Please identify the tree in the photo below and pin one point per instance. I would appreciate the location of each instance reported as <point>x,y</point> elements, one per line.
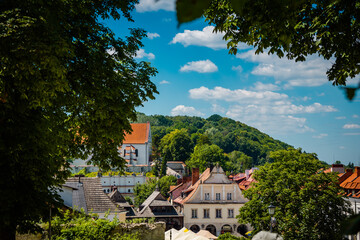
<point>206,155</point>
<point>296,29</point>
<point>68,88</point>
<point>77,225</point>
<point>308,202</point>
<point>176,146</point>
<point>143,191</point>
<point>238,162</point>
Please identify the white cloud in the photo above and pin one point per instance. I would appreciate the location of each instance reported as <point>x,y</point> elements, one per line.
<point>341,117</point>
<point>183,110</point>
<point>321,135</point>
<point>204,66</point>
<point>152,35</point>
<point>355,116</point>
<point>164,82</point>
<point>204,38</point>
<point>238,95</point>
<point>306,98</point>
<point>310,73</point>
<point>259,86</point>
<point>351,126</point>
<point>142,54</point>
<point>269,111</point>
<point>237,68</point>
<point>155,5</point>
<point>217,108</point>
<point>342,147</point>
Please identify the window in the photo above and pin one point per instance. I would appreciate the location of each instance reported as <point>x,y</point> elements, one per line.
<point>229,196</point>
<point>207,213</point>
<point>218,213</point>
<point>129,190</point>
<point>230,213</point>
<point>193,213</point>
<point>207,196</point>
<point>218,197</point>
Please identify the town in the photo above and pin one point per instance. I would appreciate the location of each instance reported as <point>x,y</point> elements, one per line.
<point>205,203</point>
<point>179,120</point>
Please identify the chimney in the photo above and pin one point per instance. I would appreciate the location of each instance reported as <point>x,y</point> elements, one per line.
<point>194,175</point>
<point>337,168</point>
<point>247,173</point>
<point>357,171</point>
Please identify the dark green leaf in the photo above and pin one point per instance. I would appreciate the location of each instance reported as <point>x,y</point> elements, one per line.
<point>189,10</point>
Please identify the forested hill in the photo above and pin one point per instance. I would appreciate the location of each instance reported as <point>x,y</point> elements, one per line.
<point>236,139</point>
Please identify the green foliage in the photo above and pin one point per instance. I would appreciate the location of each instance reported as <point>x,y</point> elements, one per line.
<point>74,225</point>
<point>143,191</point>
<point>129,200</point>
<point>176,146</point>
<point>294,29</point>
<point>238,162</point>
<point>206,155</point>
<point>226,133</point>
<point>228,236</point>
<point>68,88</point>
<point>141,220</point>
<point>91,174</point>
<point>308,203</point>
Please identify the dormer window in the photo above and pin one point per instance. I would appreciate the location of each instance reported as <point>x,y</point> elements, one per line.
<point>229,196</point>
<point>218,196</point>
<point>207,196</point>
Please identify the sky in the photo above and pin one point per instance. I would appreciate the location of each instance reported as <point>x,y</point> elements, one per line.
<point>292,102</point>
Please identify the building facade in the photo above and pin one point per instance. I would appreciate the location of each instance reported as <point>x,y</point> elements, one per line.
<point>124,184</point>
<point>211,202</point>
<point>136,150</point>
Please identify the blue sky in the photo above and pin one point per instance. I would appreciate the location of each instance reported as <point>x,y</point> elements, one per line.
<point>292,102</point>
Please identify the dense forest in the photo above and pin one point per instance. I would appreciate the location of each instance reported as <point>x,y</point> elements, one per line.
<point>200,142</point>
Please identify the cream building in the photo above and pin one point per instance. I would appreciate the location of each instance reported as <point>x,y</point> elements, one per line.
<point>211,202</point>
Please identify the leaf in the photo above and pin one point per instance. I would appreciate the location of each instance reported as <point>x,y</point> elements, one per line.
<point>189,10</point>
<point>350,93</point>
<point>238,5</point>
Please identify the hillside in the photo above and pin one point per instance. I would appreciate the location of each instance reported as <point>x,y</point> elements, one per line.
<point>233,137</point>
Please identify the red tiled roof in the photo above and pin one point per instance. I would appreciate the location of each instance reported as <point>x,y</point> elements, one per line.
<point>188,187</point>
<point>140,134</point>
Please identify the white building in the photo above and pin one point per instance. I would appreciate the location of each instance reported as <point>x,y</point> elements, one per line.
<point>136,150</point>
<point>125,184</point>
<point>211,202</point>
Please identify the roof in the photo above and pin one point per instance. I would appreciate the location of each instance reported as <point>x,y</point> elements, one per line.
<point>117,198</point>
<point>214,176</point>
<point>352,182</point>
<point>91,196</point>
<point>139,135</point>
<point>156,200</point>
<point>205,175</point>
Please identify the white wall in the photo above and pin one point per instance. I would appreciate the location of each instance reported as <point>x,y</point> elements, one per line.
<point>123,183</point>
<point>66,195</point>
<point>217,222</point>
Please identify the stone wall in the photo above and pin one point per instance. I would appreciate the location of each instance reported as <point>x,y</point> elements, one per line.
<point>155,231</point>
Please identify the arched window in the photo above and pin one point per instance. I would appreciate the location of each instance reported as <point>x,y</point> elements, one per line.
<point>242,229</point>
<point>226,228</point>
<point>195,228</point>
<point>211,228</point>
